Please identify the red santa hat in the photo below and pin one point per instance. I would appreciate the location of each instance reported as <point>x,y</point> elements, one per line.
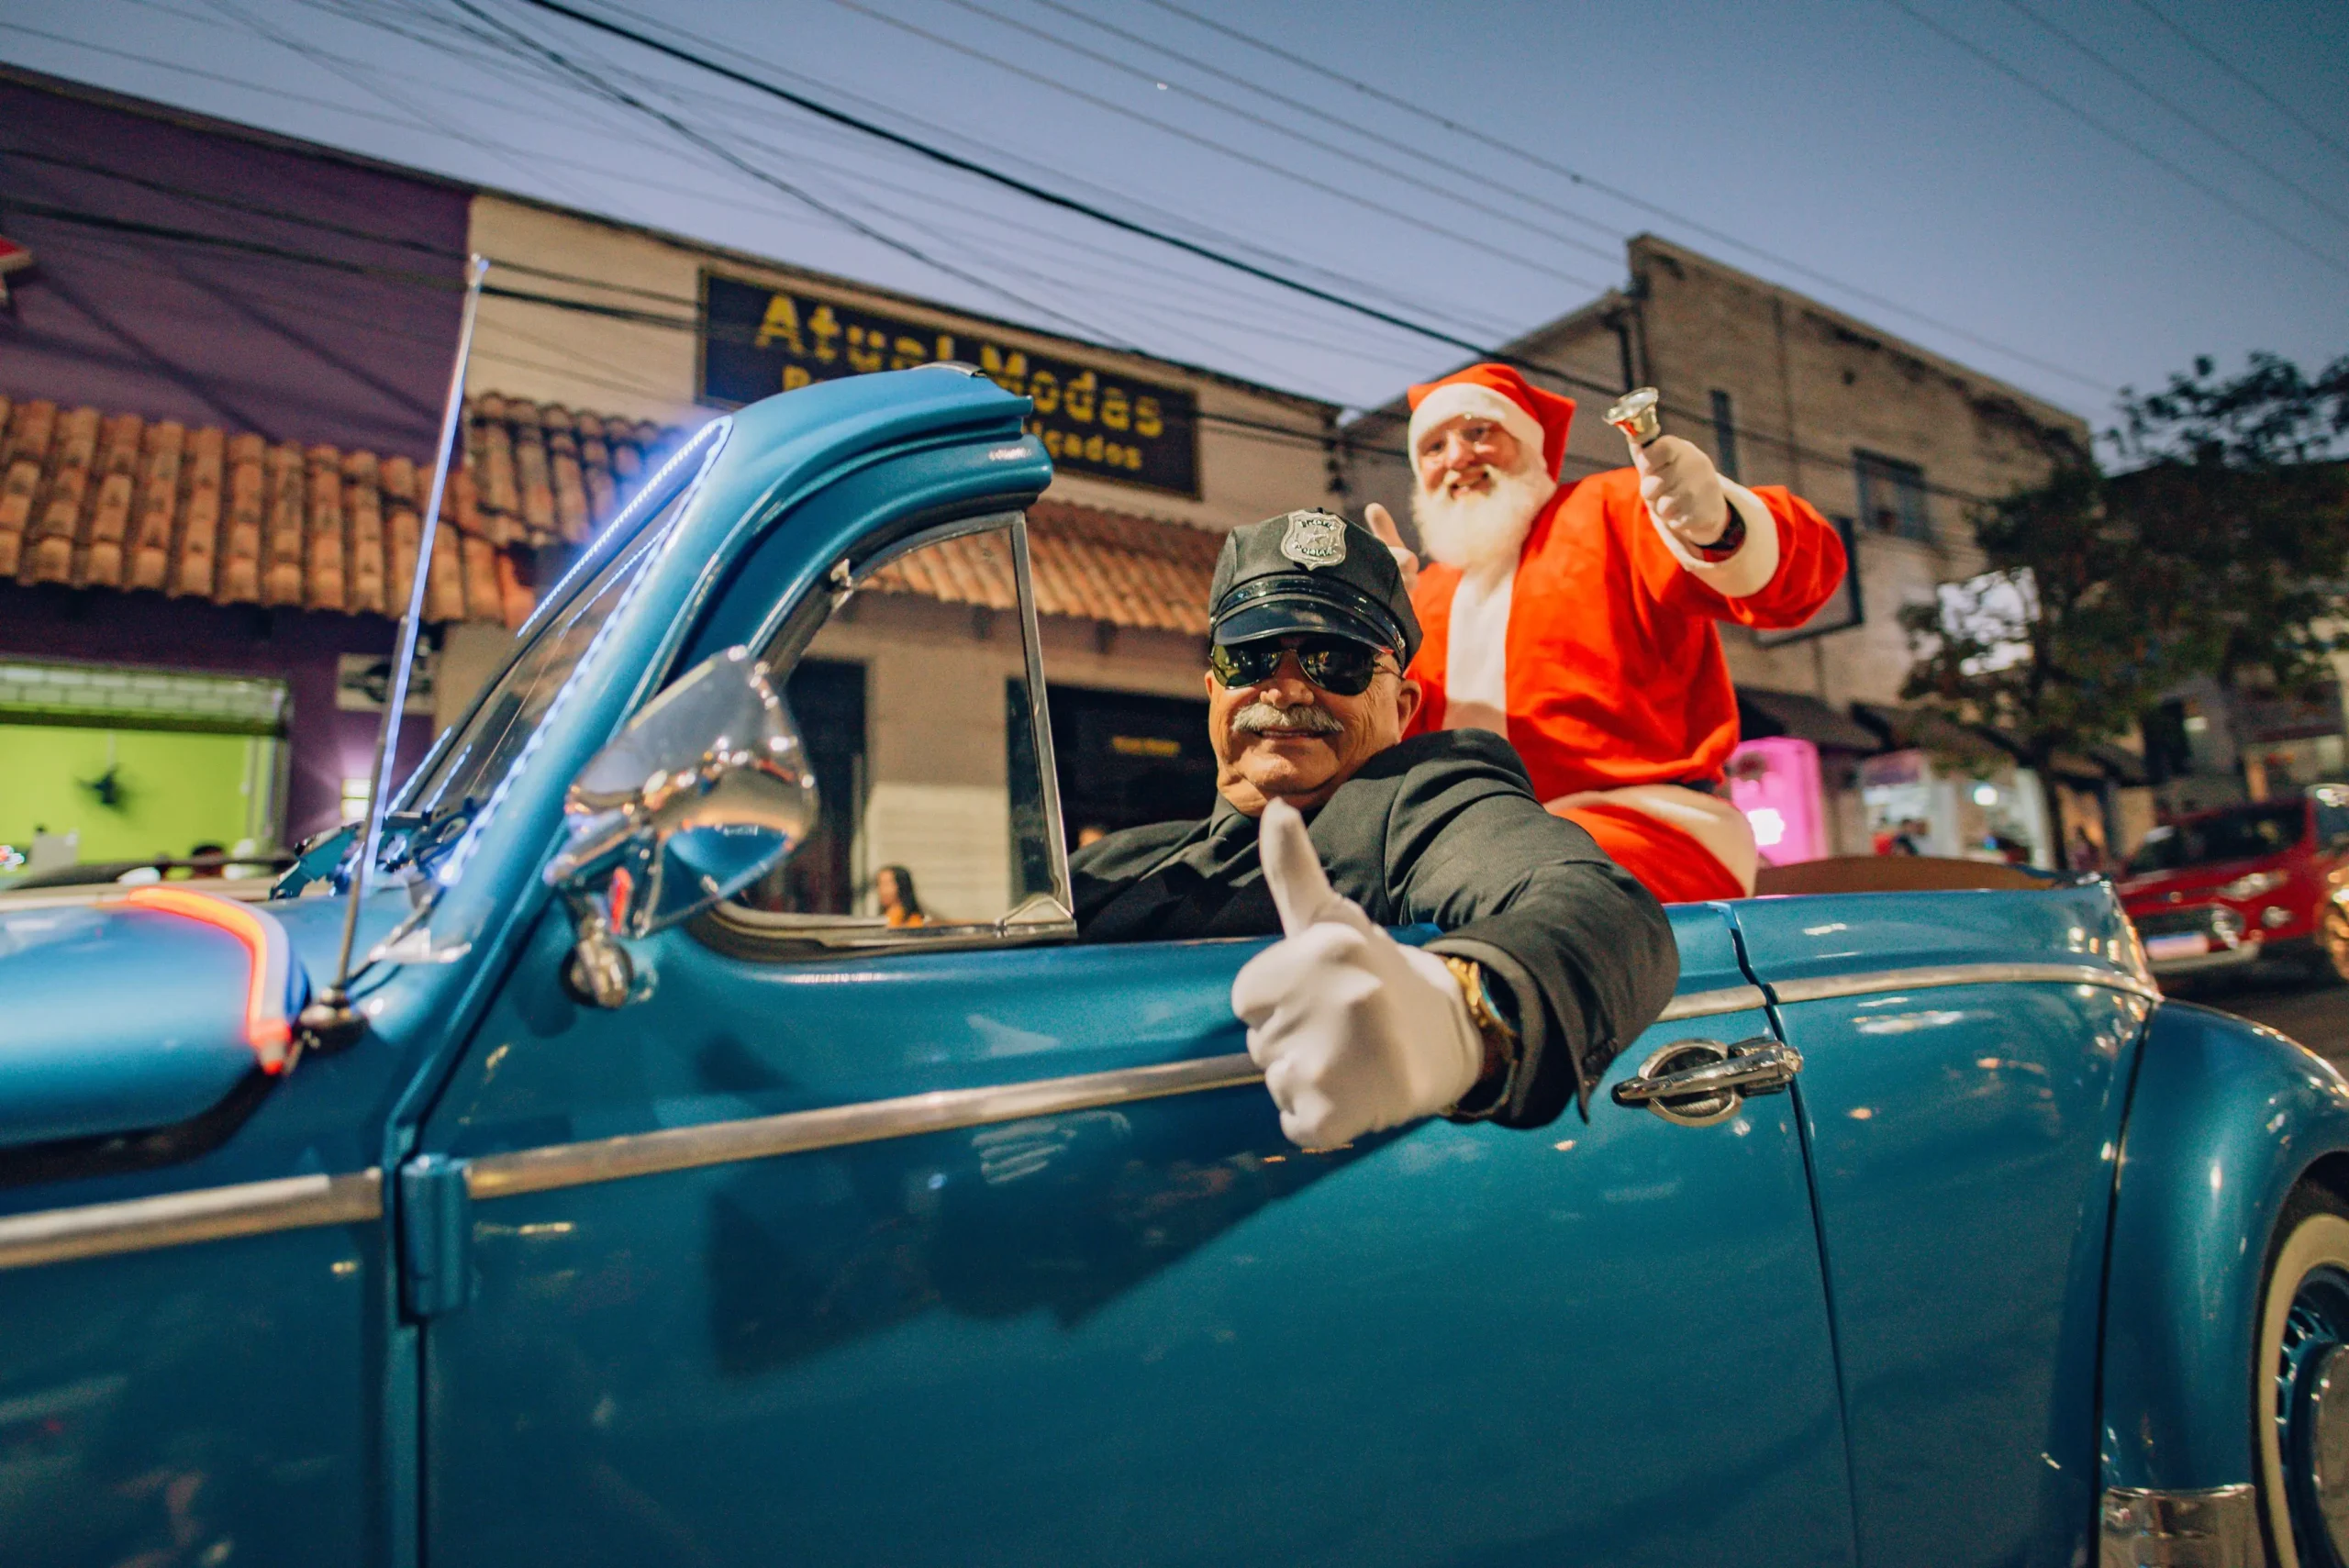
<point>1537,418</point>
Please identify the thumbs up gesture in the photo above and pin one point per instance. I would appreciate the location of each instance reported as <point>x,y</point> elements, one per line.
<point>1382,523</point>
<point>1355,1031</point>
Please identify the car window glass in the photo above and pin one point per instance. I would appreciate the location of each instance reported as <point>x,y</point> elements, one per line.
<point>2244,833</point>
<point>913,698</point>
<point>469,764</point>
<point>2332,820</point>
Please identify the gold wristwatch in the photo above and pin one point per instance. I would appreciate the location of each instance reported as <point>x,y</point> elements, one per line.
<point>1503,1049</point>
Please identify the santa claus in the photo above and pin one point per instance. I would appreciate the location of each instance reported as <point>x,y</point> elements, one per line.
<point>1576,618</point>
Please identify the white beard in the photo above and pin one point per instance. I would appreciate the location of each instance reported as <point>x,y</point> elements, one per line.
<point>1478,528</point>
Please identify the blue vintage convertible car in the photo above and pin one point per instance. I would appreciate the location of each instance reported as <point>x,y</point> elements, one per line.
<point>670,1210</point>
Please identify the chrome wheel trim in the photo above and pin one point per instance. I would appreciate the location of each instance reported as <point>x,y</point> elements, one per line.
<point>2326,1433</point>
<point>2303,1319</point>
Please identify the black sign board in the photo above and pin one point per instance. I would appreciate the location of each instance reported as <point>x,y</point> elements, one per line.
<point>758,341</point>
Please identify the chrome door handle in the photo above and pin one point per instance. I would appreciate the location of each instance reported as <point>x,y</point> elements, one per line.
<point>1695,1082</point>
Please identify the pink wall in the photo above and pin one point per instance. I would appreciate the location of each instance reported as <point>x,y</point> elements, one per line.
<point>1776,784</point>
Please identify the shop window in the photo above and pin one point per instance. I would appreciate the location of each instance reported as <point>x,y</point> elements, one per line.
<point>1892,496</point>
<point>937,819</point>
<point>1724,434</point>
<point>1127,759</point>
<point>117,763</point>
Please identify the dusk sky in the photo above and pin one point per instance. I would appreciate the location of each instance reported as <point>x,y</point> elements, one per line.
<point>2073,195</point>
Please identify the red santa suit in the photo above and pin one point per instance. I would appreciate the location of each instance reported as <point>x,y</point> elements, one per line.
<point>1598,656</point>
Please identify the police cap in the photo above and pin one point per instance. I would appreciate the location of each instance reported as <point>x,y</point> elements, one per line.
<point>1310,572</point>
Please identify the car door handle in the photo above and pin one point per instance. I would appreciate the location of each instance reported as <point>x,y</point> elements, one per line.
<point>1697,1082</point>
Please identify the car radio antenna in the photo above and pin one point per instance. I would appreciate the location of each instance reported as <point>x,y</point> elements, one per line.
<point>331,1020</point>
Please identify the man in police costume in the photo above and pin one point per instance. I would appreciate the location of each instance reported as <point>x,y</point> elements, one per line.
<point>1552,957</point>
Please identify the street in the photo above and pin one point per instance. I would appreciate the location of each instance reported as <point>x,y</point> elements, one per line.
<point>2315,1013</point>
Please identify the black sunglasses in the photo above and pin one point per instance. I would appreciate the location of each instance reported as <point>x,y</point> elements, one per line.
<point>1337,664</point>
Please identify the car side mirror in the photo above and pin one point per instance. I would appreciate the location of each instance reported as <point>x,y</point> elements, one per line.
<point>705,791</point>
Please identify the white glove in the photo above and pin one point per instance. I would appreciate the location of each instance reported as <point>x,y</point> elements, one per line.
<point>1354,1030</point>
<point>1683,489</point>
<point>1382,523</point>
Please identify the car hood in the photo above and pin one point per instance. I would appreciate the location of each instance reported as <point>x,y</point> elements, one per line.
<point>140,1011</point>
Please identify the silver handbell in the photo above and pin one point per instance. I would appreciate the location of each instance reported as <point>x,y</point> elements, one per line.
<point>1634,414</point>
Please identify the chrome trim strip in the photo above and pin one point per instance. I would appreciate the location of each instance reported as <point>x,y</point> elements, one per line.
<point>872,1121</point>
<point>1704,1003</point>
<point>1831,985</point>
<point>175,1219</point>
<point>2215,1526</point>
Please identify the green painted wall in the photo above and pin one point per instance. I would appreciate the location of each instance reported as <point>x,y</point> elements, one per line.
<point>179,791</point>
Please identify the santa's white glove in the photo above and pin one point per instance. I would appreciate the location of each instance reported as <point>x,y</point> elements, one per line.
<point>1683,489</point>
<point>1354,1030</point>
<point>1382,523</point>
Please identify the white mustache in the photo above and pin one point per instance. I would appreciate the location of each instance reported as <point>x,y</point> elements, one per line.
<point>1264,719</point>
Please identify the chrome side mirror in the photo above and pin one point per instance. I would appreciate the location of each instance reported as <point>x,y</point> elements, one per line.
<point>705,791</point>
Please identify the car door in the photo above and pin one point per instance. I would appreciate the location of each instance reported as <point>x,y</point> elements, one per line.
<point>1965,1068</point>
<point>964,1244</point>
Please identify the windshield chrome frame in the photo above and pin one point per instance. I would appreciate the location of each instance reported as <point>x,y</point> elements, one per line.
<point>618,534</point>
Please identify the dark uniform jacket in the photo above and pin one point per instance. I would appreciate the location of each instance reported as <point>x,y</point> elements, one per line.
<point>1441,829</point>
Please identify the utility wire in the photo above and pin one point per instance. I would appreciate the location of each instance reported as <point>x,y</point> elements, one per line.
<point>765,177</point>
<point>1239,155</point>
<point>444,252</point>
<point>2159,160</point>
<point>1010,182</point>
<point>454,37</point>
<point>1321,113</point>
<point>1054,199</point>
<point>1618,193</point>
<point>441,283</point>
<point>1418,182</point>
<point>2270,99</point>
<point>2182,113</point>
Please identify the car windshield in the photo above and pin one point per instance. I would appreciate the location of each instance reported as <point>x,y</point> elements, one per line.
<point>469,766</point>
<point>2242,834</point>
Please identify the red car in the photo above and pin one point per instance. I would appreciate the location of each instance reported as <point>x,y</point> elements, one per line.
<point>2227,888</point>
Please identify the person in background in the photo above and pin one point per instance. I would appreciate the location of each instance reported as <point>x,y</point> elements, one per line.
<point>901,905</point>
<point>211,859</point>
<point>2085,853</point>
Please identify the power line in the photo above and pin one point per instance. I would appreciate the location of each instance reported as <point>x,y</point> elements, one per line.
<point>1418,182</point>
<point>1040,194</point>
<point>505,265</point>
<point>1322,112</point>
<point>1009,182</point>
<point>1617,193</point>
<point>505,64</point>
<point>762,176</point>
<point>1054,199</point>
<point>2168,165</point>
<point>697,323</point>
<point>2272,100</point>
<point>1356,198</point>
<point>2186,114</point>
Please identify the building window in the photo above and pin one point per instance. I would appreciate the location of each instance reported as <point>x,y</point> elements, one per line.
<point>1725,435</point>
<point>1892,496</point>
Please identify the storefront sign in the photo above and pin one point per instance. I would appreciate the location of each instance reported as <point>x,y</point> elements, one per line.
<point>758,341</point>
